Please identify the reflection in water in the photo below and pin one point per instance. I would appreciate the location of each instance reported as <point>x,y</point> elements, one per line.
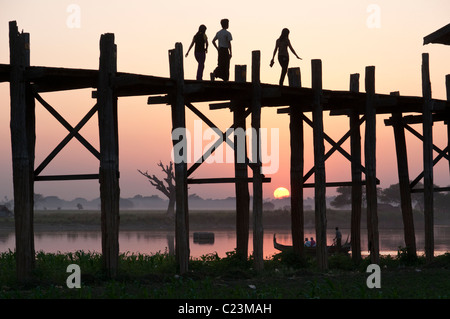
<point>150,242</point>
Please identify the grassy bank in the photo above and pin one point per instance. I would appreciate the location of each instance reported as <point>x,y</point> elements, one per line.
<point>154,276</point>
<point>139,219</point>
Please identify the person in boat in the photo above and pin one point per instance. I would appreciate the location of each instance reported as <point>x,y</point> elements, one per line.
<point>338,238</point>
<point>307,242</point>
<point>313,242</point>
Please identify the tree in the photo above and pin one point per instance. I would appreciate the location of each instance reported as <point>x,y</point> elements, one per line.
<point>267,206</point>
<point>441,201</point>
<point>344,198</point>
<point>79,206</point>
<point>165,185</point>
<point>391,195</point>
<point>7,203</point>
<point>38,198</point>
<point>417,198</point>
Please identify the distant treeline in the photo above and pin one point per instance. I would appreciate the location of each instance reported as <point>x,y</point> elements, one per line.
<point>153,202</point>
<point>388,198</point>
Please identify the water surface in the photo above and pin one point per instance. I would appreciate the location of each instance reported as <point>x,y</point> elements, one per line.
<point>150,242</point>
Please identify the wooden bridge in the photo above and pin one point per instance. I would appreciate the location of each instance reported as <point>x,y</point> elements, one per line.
<point>243,98</point>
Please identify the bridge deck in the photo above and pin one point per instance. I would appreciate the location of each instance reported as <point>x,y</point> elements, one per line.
<point>52,79</point>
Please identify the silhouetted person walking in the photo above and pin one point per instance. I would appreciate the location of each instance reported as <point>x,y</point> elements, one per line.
<point>201,48</point>
<point>282,46</point>
<point>224,49</point>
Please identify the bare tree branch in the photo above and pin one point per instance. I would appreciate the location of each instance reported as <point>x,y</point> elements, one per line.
<point>168,189</point>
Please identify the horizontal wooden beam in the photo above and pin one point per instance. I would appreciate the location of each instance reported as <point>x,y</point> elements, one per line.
<point>52,79</point>
<point>337,184</point>
<point>127,84</point>
<point>341,112</point>
<point>224,180</point>
<point>219,106</point>
<point>160,99</point>
<point>66,177</point>
<point>417,119</point>
<point>284,110</point>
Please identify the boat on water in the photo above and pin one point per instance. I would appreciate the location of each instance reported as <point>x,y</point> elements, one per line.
<point>204,238</point>
<point>333,249</point>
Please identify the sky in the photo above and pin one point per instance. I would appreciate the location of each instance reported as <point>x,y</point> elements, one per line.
<point>347,35</point>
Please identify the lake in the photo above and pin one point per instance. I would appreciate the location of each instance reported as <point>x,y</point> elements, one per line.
<point>150,242</point>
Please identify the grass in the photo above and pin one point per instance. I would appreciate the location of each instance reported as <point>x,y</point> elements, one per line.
<point>284,277</point>
<point>133,219</point>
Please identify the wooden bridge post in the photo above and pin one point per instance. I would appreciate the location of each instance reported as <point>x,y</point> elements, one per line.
<point>109,154</point>
<point>319,163</point>
<point>403,178</point>
<point>241,172</point>
<point>370,159</point>
<point>181,186</point>
<point>427,158</point>
<point>23,137</point>
<point>447,86</point>
<point>355,150</point>
<point>258,253</point>
<point>297,166</point>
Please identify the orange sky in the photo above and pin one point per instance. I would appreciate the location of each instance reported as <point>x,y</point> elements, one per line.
<point>346,35</point>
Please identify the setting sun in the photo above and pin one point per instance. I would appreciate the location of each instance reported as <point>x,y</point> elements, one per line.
<point>281,192</point>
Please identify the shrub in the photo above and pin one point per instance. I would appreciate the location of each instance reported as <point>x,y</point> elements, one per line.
<point>340,261</point>
<point>405,258</point>
<point>441,261</point>
<point>291,259</point>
